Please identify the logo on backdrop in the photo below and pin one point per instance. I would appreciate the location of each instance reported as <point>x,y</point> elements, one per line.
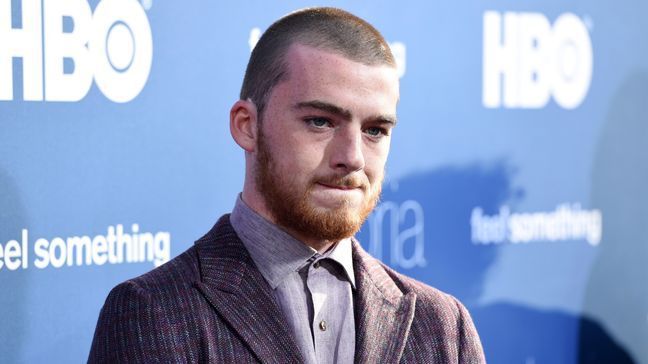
<point>403,233</point>
<point>64,46</point>
<point>117,246</point>
<point>566,222</point>
<point>526,60</point>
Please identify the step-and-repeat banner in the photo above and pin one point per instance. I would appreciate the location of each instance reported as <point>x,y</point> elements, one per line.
<point>516,179</point>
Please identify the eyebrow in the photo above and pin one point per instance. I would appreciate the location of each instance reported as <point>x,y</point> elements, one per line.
<point>341,112</point>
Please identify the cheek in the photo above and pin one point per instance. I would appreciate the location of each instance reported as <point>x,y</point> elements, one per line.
<point>375,159</point>
<point>305,153</point>
<point>294,162</point>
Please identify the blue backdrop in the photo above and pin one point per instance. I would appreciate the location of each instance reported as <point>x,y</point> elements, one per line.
<point>515,181</point>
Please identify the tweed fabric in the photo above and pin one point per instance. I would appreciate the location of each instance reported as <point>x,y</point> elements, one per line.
<point>210,304</point>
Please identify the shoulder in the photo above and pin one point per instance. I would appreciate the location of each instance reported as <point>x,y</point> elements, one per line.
<point>428,298</point>
<point>178,273</point>
<point>170,283</point>
<point>158,287</point>
<point>143,315</point>
<point>441,315</point>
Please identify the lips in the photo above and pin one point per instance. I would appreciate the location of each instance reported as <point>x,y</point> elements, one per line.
<point>338,187</point>
<point>343,183</point>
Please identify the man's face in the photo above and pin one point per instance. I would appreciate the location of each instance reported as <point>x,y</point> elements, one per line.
<point>323,143</point>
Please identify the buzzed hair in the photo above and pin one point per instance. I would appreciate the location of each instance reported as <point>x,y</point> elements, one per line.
<point>323,28</point>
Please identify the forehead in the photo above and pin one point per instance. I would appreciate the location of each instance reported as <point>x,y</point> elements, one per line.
<point>314,73</point>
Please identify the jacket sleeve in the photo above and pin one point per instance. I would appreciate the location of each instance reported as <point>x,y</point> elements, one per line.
<point>128,329</point>
<point>470,347</point>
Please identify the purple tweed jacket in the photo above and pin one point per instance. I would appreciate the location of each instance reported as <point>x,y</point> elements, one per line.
<point>211,304</point>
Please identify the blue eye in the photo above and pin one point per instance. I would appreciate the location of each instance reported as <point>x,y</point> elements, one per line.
<point>376,131</point>
<point>318,122</point>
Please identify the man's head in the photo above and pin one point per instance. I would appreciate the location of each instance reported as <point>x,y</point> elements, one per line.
<point>315,117</point>
<point>329,29</point>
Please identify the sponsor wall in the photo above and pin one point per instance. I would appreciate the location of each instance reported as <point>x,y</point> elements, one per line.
<point>515,182</point>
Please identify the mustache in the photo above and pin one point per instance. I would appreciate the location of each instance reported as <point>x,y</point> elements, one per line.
<point>348,181</point>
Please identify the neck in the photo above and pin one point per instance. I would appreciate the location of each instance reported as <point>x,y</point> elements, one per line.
<point>257,203</point>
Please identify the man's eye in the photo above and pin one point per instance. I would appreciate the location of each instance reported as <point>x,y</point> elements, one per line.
<point>376,131</point>
<point>318,122</point>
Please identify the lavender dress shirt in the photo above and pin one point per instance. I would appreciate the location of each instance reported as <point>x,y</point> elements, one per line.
<point>313,290</point>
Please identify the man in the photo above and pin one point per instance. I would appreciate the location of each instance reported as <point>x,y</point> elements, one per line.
<point>281,279</point>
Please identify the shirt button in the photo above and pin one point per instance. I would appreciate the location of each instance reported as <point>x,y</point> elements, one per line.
<point>322,325</point>
<point>316,265</point>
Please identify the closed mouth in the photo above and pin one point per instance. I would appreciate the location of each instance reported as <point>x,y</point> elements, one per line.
<point>339,187</point>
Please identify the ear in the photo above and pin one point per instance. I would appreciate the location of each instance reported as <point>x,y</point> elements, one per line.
<point>243,124</point>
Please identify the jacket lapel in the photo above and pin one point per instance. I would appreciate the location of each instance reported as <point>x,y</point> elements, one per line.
<point>383,314</point>
<point>237,290</point>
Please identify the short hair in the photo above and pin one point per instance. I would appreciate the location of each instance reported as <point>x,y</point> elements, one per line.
<point>323,28</point>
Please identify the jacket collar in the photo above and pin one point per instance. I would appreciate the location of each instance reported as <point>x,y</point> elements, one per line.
<point>383,311</point>
<point>236,289</point>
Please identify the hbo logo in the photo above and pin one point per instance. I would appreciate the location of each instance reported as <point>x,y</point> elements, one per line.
<point>526,60</point>
<point>114,46</point>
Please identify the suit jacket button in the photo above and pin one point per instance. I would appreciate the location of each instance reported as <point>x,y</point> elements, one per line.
<point>322,325</point>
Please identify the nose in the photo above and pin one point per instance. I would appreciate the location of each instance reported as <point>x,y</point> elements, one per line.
<point>346,151</point>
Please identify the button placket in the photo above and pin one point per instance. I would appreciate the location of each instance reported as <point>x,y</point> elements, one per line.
<point>317,285</point>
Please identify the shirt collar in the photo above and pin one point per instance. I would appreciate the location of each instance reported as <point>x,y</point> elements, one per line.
<point>342,253</point>
<point>275,252</point>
